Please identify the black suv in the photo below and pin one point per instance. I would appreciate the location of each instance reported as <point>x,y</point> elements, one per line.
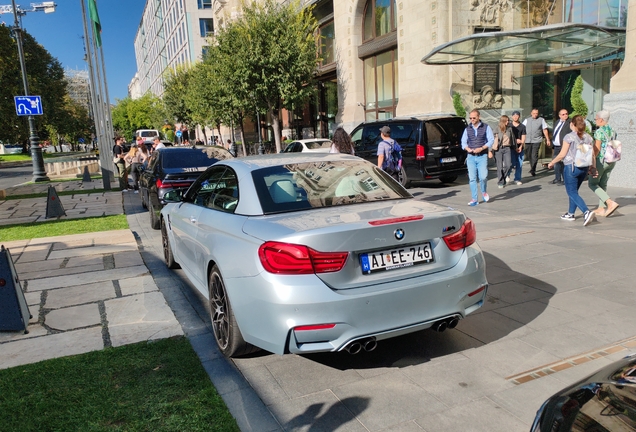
<point>431,145</point>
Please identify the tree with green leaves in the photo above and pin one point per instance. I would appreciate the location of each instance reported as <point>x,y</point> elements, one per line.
<point>273,59</point>
<point>175,88</point>
<point>45,76</point>
<point>146,112</point>
<point>579,107</point>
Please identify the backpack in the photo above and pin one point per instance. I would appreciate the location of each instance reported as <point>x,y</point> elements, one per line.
<point>394,162</point>
<point>613,148</point>
<point>583,156</point>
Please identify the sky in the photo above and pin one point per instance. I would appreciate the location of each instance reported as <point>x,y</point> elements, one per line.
<point>61,35</point>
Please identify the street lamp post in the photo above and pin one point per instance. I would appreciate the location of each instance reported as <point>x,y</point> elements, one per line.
<point>39,174</point>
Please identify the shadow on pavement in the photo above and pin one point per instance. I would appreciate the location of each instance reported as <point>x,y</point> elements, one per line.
<point>496,319</point>
<point>335,416</point>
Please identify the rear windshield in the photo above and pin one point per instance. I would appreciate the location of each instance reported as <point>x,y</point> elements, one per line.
<point>444,131</point>
<point>323,184</point>
<point>187,158</point>
<point>148,133</point>
<point>312,145</point>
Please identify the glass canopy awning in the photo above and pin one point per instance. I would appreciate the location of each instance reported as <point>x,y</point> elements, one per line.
<point>566,43</point>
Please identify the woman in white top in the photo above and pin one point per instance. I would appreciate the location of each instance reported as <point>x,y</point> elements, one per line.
<point>135,158</point>
<point>341,142</point>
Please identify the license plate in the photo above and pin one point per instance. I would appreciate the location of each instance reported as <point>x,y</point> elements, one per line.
<point>392,259</point>
<point>448,159</point>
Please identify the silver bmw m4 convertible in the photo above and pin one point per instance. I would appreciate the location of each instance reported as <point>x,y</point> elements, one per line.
<point>303,253</point>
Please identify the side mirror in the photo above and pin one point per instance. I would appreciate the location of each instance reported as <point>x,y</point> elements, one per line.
<point>173,196</point>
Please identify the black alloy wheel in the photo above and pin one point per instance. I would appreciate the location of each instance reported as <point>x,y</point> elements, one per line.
<point>224,326</point>
<point>167,251</point>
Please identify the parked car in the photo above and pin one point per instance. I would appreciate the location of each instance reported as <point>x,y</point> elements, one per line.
<point>305,252</point>
<point>431,146</point>
<point>173,168</point>
<point>604,401</point>
<point>314,145</point>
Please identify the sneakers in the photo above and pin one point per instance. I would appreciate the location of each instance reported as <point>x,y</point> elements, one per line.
<point>473,203</point>
<point>518,183</point>
<point>136,191</point>
<point>500,185</point>
<point>611,206</point>
<point>486,197</point>
<point>568,217</point>
<point>588,217</point>
<point>508,180</point>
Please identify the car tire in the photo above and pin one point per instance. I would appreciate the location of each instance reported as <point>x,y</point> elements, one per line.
<point>154,221</point>
<point>403,178</point>
<point>226,332</point>
<point>143,201</point>
<point>167,250</point>
<point>448,179</point>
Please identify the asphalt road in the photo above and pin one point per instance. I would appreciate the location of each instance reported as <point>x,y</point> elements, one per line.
<point>14,176</point>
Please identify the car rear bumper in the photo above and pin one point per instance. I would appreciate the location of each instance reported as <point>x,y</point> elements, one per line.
<point>269,308</point>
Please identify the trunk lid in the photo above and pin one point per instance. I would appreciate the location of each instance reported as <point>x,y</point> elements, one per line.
<point>349,228</point>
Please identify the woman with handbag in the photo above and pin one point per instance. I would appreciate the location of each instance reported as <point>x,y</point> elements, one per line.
<point>604,164</point>
<point>135,158</point>
<point>575,145</point>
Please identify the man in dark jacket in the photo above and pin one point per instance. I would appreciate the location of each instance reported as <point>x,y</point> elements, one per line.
<point>561,129</point>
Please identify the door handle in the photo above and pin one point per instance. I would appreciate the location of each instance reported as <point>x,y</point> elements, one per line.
<point>193,219</point>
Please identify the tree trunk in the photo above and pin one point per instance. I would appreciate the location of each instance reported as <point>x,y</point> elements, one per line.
<point>243,137</point>
<point>276,127</point>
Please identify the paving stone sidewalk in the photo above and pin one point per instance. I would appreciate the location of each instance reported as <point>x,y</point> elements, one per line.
<point>80,205</point>
<point>85,292</point>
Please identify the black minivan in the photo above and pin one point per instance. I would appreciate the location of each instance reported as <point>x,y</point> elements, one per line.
<point>431,145</point>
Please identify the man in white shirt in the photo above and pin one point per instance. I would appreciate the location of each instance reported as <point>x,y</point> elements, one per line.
<point>561,129</point>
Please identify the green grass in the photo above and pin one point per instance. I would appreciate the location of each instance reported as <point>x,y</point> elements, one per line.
<point>158,386</point>
<point>59,193</point>
<point>62,227</point>
<point>20,157</point>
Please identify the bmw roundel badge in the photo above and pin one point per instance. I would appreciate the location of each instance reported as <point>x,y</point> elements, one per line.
<point>399,234</point>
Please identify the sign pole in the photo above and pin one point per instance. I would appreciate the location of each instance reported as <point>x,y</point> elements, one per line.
<point>39,174</point>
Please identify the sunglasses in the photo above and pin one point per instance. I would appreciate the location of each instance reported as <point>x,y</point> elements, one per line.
<point>473,118</point>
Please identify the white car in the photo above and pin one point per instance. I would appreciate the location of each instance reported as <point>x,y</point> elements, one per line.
<point>314,145</point>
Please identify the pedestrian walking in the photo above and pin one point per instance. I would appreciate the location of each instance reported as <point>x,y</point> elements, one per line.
<point>389,154</point>
<point>135,158</point>
<point>120,164</point>
<point>501,149</point>
<point>536,129</point>
<point>598,184</point>
<point>574,175</point>
<point>517,153</point>
<point>476,140</point>
<point>341,142</point>
<point>561,129</point>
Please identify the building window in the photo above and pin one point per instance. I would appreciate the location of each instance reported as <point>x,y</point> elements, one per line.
<point>207,26</point>
<point>381,85</point>
<point>379,19</point>
<point>610,13</point>
<point>204,4</point>
<point>326,39</point>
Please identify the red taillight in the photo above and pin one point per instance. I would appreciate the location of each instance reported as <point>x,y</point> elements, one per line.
<point>462,238</point>
<point>420,154</point>
<point>285,258</point>
<point>172,184</point>
<point>315,327</point>
<point>396,220</point>
<point>477,291</point>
